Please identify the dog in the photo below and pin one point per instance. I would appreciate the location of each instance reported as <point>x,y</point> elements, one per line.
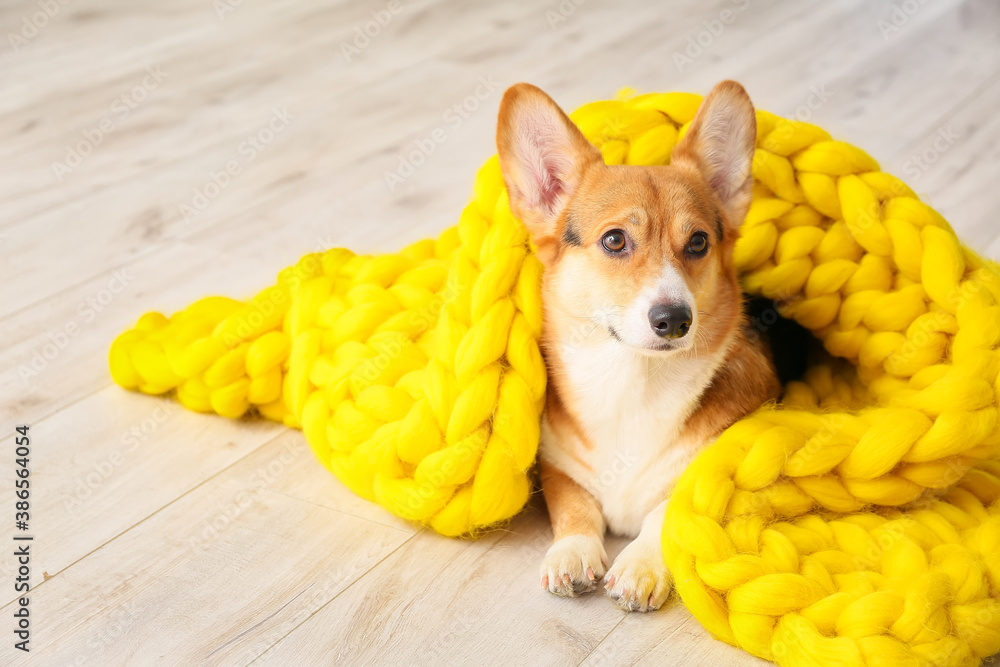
<point>647,344</point>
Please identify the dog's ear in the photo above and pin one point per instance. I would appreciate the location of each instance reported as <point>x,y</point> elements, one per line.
<point>720,144</point>
<point>543,157</point>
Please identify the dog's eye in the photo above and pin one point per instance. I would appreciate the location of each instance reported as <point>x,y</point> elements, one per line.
<point>614,241</point>
<point>698,243</point>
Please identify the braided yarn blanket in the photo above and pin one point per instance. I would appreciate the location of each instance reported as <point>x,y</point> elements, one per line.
<point>856,522</point>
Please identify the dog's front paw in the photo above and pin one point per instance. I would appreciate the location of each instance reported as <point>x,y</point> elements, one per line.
<point>574,565</point>
<point>638,580</point>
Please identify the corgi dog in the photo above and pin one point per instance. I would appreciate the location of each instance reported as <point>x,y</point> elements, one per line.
<point>648,348</point>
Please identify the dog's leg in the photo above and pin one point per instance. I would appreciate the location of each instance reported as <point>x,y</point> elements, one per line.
<point>639,580</point>
<point>576,561</point>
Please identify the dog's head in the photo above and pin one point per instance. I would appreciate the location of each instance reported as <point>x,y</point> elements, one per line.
<point>641,255</point>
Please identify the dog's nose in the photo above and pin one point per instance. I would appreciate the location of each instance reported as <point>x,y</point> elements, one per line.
<point>670,321</point>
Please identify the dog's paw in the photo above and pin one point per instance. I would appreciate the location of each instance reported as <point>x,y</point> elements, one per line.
<point>574,565</point>
<point>638,580</point>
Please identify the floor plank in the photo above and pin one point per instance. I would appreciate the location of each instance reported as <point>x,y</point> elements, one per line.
<point>235,567</point>
<point>200,540</point>
<point>110,461</point>
<point>457,593</point>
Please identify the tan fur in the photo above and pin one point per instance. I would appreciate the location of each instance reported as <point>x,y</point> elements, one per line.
<point>606,370</point>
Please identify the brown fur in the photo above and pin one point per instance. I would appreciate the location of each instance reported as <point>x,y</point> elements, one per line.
<point>659,208</point>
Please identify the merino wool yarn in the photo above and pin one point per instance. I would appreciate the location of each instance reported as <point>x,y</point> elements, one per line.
<point>416,377</point>
<point>855,522</point>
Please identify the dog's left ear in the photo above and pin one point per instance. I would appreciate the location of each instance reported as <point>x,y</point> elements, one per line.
<point>720,144</point>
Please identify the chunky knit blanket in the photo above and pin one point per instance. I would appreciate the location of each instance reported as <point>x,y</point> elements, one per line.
<point>857,522</point>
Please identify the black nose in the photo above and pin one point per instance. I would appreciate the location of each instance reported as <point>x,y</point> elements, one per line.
<point>670,321</point>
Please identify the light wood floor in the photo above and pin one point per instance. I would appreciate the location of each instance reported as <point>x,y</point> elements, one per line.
<point>166,537</point>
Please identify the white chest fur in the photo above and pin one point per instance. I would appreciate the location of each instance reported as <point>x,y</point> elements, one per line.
<point>631,407</point>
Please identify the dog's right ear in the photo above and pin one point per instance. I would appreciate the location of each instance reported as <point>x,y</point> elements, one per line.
<point>543,157</point>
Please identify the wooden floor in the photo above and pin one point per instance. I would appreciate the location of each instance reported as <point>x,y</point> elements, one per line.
<point>151,153</point>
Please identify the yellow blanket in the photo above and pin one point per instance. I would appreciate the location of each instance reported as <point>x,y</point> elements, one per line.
<point>857,522</point>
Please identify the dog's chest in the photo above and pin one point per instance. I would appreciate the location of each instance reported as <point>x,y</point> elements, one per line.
<point>632,409</point>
